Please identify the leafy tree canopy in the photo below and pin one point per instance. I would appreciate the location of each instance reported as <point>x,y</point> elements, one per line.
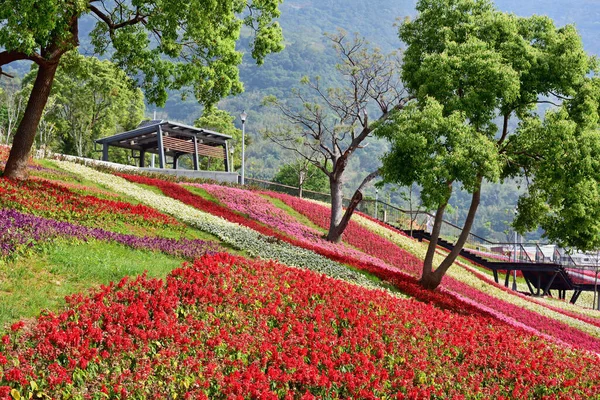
<point>166,44</point>
<point>471,69</point>
<point>312,177</point>
<point>563,195</point>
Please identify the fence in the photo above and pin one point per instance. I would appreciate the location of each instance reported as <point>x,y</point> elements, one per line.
<point>415,220</point>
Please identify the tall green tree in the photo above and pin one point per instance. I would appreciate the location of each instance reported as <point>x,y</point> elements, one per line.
<point>222,121</point>
<point>473,69</point>
<point>561,156</point>
<point>302,174</point>
<point>90,99</point>
<point>165,44</point>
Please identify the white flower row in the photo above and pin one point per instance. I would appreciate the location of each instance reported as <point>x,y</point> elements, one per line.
<point>239,237</point>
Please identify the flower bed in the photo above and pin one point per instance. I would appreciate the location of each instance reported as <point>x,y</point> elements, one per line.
<point>227,327</point>
<point>543,325</point>
<point>239,237</point>
<point>20,231</point>
<point>260,209</point>
<point>354,234</point>
<point>506,306</point>
<point>52,200</point>
<point>402,281</point>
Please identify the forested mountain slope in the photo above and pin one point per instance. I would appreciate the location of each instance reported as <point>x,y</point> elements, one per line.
<point>308,53</point>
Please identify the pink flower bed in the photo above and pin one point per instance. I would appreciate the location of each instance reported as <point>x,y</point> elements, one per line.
<point>355,235</point>
<point>260,209</point>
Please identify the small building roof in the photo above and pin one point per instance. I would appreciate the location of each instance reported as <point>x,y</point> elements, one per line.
<point>144,137</point>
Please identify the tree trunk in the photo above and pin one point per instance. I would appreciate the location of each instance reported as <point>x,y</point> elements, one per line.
<point>335,232</point>
<point>435,234</point>
<point>337,199</point>
<point>300,182</point>
<point>335,235</point>
<point>16,166</point>
<point>431,280</point>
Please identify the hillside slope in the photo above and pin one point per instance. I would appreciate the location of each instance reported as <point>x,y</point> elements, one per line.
<point>263,305</point>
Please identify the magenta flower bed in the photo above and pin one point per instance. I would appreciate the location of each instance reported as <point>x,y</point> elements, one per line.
<point>260,209</point>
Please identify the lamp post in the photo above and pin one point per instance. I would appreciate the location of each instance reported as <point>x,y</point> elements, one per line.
<point>376,199</point>
<point>243,117</point>
<point>514,283</point>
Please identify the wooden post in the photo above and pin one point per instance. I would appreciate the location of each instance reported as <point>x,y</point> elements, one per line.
<point>105,152</point>
<point>175,159</point>
<point>142,156</point>
<point>226,159</point>
<point>161,149</point>
<point>196,161</point>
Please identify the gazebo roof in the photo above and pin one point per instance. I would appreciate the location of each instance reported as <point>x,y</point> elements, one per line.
<point>144,137</point>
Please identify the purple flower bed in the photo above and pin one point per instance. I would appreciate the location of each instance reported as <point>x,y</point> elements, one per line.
<point>18,230</point>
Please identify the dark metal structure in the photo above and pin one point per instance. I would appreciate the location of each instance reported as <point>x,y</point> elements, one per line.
<point>166,138</point>
<point>541,276</point>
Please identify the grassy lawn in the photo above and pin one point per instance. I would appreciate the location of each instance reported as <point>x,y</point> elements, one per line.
<point>42,280</point>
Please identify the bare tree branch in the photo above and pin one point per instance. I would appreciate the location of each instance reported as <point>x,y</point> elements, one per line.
<point>333,124</point>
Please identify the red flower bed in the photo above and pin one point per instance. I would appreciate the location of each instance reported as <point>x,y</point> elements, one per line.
<point>44,198</point>
<point>233,328</point>
<point>396,277</point>
<point>380,247</point>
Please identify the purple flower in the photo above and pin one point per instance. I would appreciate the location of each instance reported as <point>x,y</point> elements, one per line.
<point>18,230</point>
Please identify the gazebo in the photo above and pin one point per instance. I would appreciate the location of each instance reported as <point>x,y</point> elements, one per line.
<point>173,139</point>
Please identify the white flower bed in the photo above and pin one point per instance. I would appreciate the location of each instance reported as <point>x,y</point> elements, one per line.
<point>240,237</point>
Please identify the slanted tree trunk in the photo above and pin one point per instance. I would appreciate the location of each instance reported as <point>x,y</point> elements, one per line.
<point>427,275</point>
<point>16,166</point>
<point>339,224</point>
<point>432,279</point>
<point>337,199</point>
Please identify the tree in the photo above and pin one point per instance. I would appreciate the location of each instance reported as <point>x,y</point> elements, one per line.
<point>165,45</point>
<point>561,156</point>
<point>331,125</point>
<point>302,174</point>
<point>90,99</point>
<point>469,66</point>
<point>12,104</point>
<point>221,121</point>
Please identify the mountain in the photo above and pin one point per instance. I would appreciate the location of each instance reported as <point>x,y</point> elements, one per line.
<point>308,53</point>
